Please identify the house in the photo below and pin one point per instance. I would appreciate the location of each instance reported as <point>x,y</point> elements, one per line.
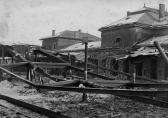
<point>135,27</point>
<point>59,41</point>
<point>136,33</point>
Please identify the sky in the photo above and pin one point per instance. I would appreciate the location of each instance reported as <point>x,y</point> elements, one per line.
<point>26,21</point>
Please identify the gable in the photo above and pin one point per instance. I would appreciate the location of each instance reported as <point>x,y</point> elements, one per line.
<point>146,19</point>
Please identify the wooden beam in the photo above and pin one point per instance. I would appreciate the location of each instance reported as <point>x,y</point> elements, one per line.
<point>91,73</point>
<point>18,77</point>
<point>118,92</point>
<point>161,51</point>
<point>51,64</point>
<point>42,51</point>
<point>148,85</point>
<point>12,65</point>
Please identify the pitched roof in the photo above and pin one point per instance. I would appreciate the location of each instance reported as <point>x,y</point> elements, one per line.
<point>79,46</point>
<point>126,20</point>
<point>163,40</point>
<point>145,15</point>
<point>73,34</point>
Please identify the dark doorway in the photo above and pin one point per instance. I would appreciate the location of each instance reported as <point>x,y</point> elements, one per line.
<point>153,70</point>
<point>138,68</point>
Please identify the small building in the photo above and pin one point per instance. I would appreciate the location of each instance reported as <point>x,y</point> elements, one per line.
<point>24,48</point>
<point>55,42</point>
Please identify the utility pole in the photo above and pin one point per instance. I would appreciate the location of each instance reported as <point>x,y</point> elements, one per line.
<point>84,98</point>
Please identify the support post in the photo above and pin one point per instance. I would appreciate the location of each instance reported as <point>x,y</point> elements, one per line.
<point>162,53</point>
<point>28,71</point>
<point>98,64</point>
<point>134,73</point>
<point>69,59</point>
<point>3,53</point>
<point>84,98</point>
<point>35,58</point>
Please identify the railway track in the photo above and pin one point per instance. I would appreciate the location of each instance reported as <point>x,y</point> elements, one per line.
<point>20,109</point>
<point>10,110</point>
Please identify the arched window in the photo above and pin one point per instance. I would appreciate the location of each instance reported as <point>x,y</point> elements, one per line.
<point>118,40</point>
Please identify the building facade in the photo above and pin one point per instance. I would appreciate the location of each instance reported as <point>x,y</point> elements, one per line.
<point>55,42</point>
<point>136,33</point>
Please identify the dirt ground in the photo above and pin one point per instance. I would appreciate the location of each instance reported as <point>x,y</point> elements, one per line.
<point>97,106</point>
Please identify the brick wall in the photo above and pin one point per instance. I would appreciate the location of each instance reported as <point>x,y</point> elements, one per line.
<point>124,37</point>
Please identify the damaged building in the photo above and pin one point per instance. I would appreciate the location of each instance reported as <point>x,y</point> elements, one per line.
<point>136,33</point>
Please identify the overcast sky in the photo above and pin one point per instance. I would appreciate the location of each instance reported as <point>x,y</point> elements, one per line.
<point>26,21</point>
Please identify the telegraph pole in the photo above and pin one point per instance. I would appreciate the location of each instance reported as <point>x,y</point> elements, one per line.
<point>84,98</point>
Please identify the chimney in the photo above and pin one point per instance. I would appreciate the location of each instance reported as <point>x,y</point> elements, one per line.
<point>128,13</point>
<point>78,34</point>
<point>53,32</point>
<point>161,10</point>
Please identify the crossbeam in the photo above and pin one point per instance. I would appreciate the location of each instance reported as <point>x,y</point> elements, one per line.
<point>117,92</point>
<point>12,65</point>
<point>51,65</point>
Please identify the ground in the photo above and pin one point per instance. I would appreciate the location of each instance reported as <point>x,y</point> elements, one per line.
<point>69,103</point>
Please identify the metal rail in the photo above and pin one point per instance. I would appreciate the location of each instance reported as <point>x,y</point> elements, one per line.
<point>15,111</point>
<point>149,93</point>
<point>34,108</point>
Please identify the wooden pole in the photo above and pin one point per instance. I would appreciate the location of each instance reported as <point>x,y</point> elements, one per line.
<point>69,59</point>
<point>86,60</point>
<point>134,73</point>
<point>84,98</point>
<point>161,51</point>
<point>35,58</point>
<point>98,64</point>
<point>3,58</point>
<point>28,71</point>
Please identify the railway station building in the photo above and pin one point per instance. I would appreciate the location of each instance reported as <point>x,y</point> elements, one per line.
<point>136,33</point>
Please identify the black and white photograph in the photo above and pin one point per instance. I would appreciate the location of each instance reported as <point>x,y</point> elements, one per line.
<point>83,58</point>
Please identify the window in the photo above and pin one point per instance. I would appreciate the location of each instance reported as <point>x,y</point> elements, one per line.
<point>118,40</point>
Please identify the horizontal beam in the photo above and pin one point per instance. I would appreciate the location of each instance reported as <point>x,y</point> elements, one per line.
<point>149,85</point>
<point>12,65</point>
<point>51,64</point>
<point>106,91</point>
<point>91,73</point>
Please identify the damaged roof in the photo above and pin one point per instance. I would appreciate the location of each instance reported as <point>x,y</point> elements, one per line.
<point>81,46</point>
<point>144,51</point>
<point>163,40</point>
<point>126,20</point>
<point>144,16</point>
